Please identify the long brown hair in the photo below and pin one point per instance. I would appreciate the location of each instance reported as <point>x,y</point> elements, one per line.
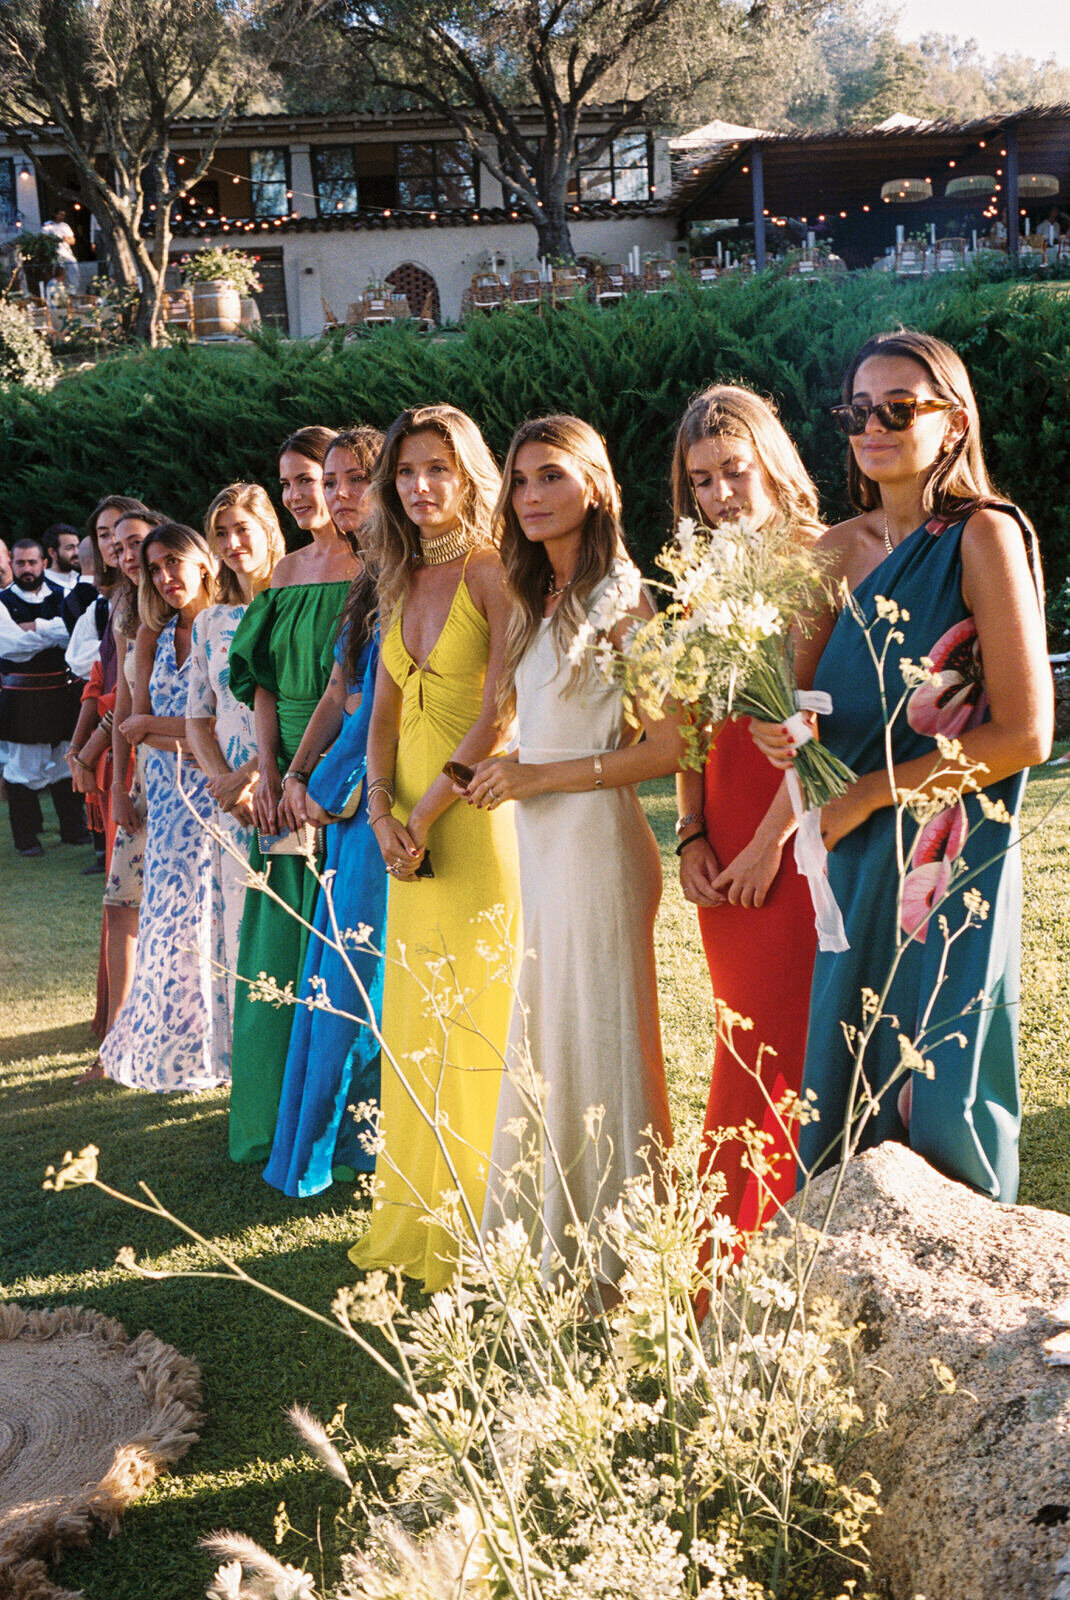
<point>313,442</point>
<point>106,576</point>
<point>394,541</point>
<point>125,610</point>
<point>527,566</point>
<point>154,611</point>
<point>254,499</point>
<point>357,621</point>
<point>959,477</point>
<point>725,411</point>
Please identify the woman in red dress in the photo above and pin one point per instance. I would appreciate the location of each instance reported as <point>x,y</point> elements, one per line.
<point>733,459</point>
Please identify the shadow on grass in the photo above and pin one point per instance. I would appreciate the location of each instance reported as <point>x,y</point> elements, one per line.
<point>177,1521</point>
<point>72,1038</point>
<point>1045,1142</point>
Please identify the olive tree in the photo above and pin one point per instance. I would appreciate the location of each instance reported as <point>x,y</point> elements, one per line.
<point>109,79</point>
<point>481,66</point>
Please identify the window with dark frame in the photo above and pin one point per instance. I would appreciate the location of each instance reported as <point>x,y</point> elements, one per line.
<point>622,171</point>
<point>439,174</point>
<point>334,178</point>
<point>269,180</point>
<point>9,204</point>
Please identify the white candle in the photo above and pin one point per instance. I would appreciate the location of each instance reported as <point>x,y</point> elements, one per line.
<point>899,233</point>
<point>810,239</point>
<point>720,253</point>
<point>975,238</point>
<point>932,232</point>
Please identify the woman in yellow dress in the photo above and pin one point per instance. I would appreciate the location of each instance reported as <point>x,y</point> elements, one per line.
<point>444,613</point>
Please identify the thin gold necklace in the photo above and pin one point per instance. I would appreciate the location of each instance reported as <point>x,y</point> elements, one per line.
<point>552,591</point>
<point>445,547</point>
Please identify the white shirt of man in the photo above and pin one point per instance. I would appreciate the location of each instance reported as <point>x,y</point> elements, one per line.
<point>84,648</point>
<point>35,765</point>
<point>64,234</point>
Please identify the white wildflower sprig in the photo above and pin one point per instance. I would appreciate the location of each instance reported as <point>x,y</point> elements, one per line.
<point>721,644</point>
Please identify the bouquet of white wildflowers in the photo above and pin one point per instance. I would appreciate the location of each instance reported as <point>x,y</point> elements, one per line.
<point>720,647</point>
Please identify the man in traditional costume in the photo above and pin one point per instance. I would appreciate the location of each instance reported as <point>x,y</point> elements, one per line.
<point>38,703</point>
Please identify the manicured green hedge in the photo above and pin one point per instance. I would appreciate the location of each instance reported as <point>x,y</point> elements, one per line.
<point>176,424</point>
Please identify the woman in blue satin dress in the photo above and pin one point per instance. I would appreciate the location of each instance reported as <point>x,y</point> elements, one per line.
<point>333,1059</point>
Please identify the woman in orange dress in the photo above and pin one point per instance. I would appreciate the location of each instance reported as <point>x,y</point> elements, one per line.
<point>732,459</point>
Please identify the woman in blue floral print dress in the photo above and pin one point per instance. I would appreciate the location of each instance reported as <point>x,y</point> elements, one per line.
<point>960,567</point>
<point>163,1037</point>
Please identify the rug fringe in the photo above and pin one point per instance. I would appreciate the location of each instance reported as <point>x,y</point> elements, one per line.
<point>170,1383</point>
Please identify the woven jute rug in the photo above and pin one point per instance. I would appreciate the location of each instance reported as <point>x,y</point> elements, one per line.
<point>88,1418</point>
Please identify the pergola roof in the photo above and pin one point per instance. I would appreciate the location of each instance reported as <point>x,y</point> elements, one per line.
<point>806,175</point>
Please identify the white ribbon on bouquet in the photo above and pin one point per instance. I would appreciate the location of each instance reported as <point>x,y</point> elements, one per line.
<point>811,857</point>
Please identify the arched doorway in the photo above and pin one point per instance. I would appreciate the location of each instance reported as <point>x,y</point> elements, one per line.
<point>419,289</point>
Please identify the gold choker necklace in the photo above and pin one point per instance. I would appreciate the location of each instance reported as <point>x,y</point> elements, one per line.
<point>446,547</point>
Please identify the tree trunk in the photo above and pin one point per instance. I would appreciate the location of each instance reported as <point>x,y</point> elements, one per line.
<point>555,241</point>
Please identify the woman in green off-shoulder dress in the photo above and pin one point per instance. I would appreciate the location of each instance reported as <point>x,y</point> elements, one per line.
<point>280,661</point>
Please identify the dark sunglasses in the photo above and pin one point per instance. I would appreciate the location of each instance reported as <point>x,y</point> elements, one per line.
<point>896,415</point>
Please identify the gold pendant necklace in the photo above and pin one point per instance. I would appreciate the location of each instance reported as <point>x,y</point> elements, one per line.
<point>445,547</point>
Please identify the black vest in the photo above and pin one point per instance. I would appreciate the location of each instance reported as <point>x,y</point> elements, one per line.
<point>38,697</point>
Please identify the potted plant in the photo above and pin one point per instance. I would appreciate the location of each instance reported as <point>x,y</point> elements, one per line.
<point>219,279</point>
<point>37,252</point>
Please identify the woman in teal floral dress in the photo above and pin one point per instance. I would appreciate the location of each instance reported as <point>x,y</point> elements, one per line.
<point>960,565</point>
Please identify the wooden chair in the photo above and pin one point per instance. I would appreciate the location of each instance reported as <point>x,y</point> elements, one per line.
<point>329,318</point>
<point>177,308</point>
<point>489,292</point>
<point>909,260</point>
<point>567,283</point>
<point>950,255</point>
<point>611,285</point>
<point>658,275</point>
<point>38,315</point>
<point>704,269</point>
<point>525,287</point>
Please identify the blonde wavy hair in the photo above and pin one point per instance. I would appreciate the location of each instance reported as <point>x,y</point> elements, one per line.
<point>725,411</point>
<point>527,566</point>
<point>153,609</point>
<point>392,544</point>
<point>256,500</point>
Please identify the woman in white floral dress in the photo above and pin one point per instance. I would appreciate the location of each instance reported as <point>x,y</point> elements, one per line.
<point>163,1038</point>
<point>243,531</point>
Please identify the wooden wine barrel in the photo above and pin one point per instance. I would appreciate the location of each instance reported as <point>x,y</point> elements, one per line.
<point>216,310</point>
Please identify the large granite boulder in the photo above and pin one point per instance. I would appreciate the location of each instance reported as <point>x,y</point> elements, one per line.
<point>976,1484</point>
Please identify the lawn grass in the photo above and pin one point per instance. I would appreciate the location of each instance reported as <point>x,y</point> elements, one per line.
<point>258,1357</point>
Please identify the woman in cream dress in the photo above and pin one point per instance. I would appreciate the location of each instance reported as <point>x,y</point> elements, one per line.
<point>586,1014</point>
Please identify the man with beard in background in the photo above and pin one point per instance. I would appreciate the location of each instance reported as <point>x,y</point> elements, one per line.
<point>38,703</point>
<point>64,564</point>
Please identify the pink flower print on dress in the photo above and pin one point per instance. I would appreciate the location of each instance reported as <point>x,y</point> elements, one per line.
<point>928,877</point>
<point>957,699</point>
